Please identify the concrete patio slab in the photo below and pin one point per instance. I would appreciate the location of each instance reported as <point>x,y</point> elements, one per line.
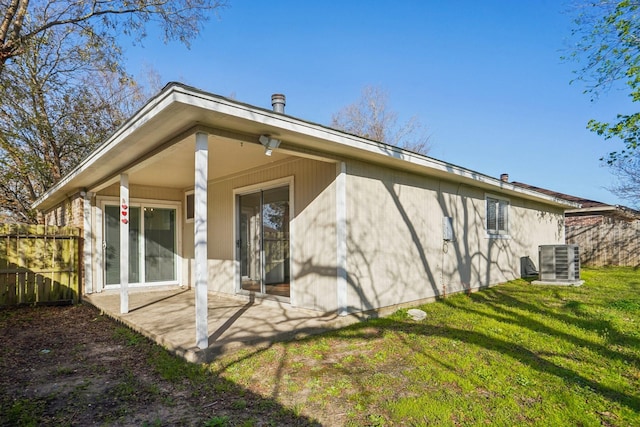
<point>168,317</point>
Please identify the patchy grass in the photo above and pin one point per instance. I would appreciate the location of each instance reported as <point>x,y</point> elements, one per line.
<point>72,366</point>
<point>514,354</point>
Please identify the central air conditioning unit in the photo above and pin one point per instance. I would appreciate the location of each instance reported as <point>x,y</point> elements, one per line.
<point>559,263</point>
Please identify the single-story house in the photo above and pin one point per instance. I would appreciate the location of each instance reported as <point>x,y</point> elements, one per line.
<point>203,191</point>
<point>607,234</point>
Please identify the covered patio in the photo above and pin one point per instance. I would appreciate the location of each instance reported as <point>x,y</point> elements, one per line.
<point>224,202</point>
<point>168,317</point>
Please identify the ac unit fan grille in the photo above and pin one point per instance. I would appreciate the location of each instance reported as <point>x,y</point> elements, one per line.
<point>559,262</point>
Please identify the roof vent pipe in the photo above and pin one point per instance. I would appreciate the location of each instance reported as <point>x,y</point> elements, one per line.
<point>504,177</point>
<point>278,102</point>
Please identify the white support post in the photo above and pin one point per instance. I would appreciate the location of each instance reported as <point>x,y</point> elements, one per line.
<point>98,255</point>
<point>200,238</point>
<point>341,238</point>
<point>87,253</point>
<point>124,243</point>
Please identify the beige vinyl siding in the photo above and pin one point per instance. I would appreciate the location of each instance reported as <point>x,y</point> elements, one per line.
<point>474,259</point>
<point>314,245</point>
<point>312,231</point>
<point>393,238</point>
<point>396,251</point>
<point>145,192</point>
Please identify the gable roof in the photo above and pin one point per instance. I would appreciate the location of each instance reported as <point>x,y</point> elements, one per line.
<point>587,206</point>
<point>584,203</point>
<point>179,111</point>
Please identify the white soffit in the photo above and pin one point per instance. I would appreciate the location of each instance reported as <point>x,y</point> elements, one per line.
<point>179,108</point>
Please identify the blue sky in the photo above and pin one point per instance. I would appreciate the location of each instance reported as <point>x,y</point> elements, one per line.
<point>485,77</point>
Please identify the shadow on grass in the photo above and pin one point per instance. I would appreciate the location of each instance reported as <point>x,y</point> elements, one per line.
<point>112,375</point>
<point>506,310</point>
<point>514,307</point>
<point>533,360</point>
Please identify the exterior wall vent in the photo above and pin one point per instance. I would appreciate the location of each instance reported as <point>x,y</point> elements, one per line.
<point>559,263</point>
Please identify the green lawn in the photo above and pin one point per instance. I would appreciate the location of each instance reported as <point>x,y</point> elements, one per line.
<point>514,354</point>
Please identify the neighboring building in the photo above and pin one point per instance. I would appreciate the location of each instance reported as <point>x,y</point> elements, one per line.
<point>209,192</point>
<point>607,234</point>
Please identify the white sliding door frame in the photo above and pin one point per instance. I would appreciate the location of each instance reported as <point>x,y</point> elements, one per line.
<point>101,203</point>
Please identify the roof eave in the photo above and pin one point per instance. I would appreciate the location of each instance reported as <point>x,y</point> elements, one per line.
<point>328,139</point>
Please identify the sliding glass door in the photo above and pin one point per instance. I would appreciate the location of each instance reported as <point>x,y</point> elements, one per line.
<point>159,244</point>
<point>263,244</point>
<point>152,244</point>
<point>112,245</point>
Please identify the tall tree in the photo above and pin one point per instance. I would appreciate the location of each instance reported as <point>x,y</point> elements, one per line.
<point>372,118</point>
<point>100,21</point>
<point>62,88</point>
<point>608,49</point>
<point>58,100</point>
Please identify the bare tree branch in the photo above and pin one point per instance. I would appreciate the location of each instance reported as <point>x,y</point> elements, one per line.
<point>370,117</point>
<point>627,172</point>
<point>179,19</point>
<point>62,88</point>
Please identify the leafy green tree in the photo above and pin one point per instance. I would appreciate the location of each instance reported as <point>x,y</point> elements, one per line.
<point>609,51</point>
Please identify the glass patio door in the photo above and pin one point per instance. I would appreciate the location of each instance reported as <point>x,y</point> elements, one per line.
<point>159,244</point>
<point>152,245</point>
<point>112,245</point>
<point>263,228</point>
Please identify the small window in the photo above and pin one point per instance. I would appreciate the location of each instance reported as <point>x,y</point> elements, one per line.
<point>189,206</point>
<point>497,216</point>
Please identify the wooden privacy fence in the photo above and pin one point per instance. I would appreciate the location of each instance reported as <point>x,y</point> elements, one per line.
<point>615,243</point>
<point>39,264</point>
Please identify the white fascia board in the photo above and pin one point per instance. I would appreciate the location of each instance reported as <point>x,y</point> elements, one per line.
<point>357,146</point>
<point>595,209</point>
<point>154,106</point>
<point>391,153</point>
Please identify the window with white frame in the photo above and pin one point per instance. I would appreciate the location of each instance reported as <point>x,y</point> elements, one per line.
<point>497,220</point>
<point>153,241</point>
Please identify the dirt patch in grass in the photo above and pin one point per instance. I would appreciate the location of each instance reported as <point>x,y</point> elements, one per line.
<point>72,366</point>
<point>513,354</point>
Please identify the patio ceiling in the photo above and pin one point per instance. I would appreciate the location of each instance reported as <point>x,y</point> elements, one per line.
<point>174,166</point>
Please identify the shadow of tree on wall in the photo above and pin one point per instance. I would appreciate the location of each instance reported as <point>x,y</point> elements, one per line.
<point>415,262</point>
<point>419,246</point>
